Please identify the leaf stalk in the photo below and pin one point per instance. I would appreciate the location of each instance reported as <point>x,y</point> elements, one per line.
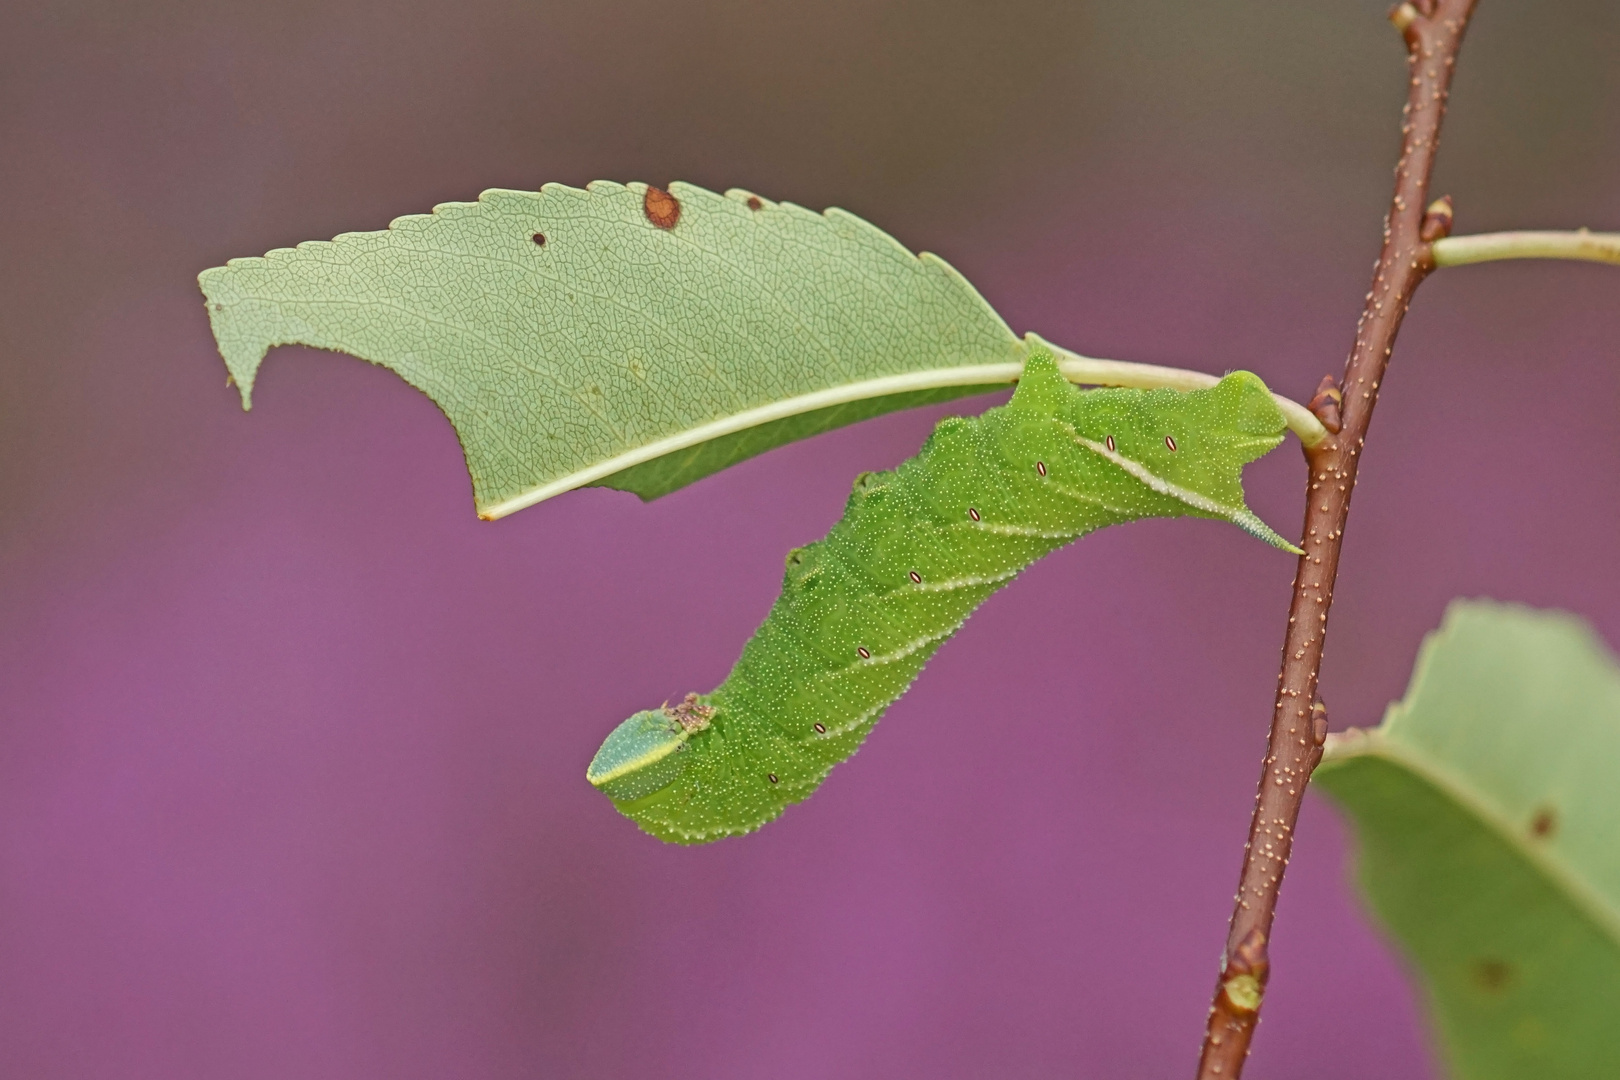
<point>1488,247</point>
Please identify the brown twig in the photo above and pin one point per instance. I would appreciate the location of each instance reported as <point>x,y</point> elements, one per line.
<point>1433,30</point>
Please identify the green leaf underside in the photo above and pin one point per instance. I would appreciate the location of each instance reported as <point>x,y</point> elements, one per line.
<point>918,549</point>
<point>675,470</point>
<point>556,362</point>
<point>1487,819</point>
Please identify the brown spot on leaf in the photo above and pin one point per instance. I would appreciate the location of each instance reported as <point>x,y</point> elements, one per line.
<point>1544,823</point>
<point>754,203</point>
<point>1492,976</point>
<point>662,208</point>
<point>539,239</point>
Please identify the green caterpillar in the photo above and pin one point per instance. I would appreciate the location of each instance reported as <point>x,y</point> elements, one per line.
<point>917,550</point>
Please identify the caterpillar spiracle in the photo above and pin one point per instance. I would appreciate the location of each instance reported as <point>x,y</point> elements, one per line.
<point>919,548</point>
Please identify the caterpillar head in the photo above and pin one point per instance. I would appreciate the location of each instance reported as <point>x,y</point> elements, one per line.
<point>645,752</point>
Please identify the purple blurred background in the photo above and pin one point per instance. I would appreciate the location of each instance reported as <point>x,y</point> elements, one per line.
<point>292,755</point>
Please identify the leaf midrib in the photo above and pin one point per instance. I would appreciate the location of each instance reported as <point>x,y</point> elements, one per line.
<point>1075,367</point>
<point>764,414</point>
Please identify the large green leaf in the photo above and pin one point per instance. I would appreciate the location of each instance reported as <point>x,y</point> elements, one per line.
<point>1487,812</point>
<point>624,337</point>
<point>631,338</point>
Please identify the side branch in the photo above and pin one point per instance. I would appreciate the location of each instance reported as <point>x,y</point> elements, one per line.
<point>1433,31</point>
<point>1488,247</point>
